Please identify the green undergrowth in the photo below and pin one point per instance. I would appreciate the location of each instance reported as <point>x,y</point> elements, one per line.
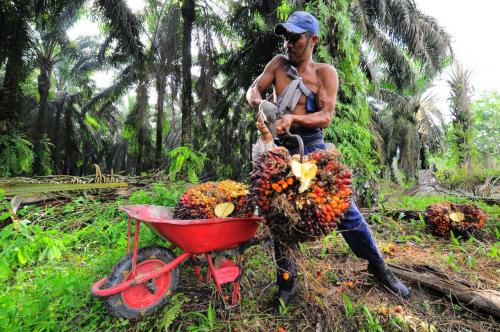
<point>392,197</point>
<point>50,258</point>
<point>456,253</point>
<point>53,255</point>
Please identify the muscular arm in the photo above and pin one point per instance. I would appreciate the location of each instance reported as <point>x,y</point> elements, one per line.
<point>327,98</point>
<point>264,81</point>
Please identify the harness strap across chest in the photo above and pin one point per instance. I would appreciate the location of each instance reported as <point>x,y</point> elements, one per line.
<point>287,102</point>
<point>289,98</point>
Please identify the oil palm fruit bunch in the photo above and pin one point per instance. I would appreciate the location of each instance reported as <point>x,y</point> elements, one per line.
<point>463,219</point>
<point>301,201</point>
<point>205,200</point>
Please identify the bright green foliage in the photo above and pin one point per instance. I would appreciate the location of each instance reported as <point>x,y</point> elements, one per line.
<point>45,155</point>
<point>350,127</point>
<point>486,125</point>
<point>63,255</point>
<point>173,311</point>
<point>162,194</point>
<point>367,321</point>
<point>16,155</point>
<point>4,207</point>
<point>460,107</point>
<point>21,245</point>
<point>54,294</point>
<point>457,177</point>
<point>284,10</point>
<point>206,322</point>
<point>185,158</point>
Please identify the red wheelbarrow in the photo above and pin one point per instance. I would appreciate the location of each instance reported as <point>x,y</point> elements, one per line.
<point>143,281</point>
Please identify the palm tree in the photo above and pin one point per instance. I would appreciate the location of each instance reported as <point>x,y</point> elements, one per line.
<point>188,15</point>
<point>460,100</point>
<point>165,57</point>
<point>137,125</point>
<point>16,37</point>
<point>50,46</point>
<point>408,127</point>
<point>398,33</point>
<point>14,50</point>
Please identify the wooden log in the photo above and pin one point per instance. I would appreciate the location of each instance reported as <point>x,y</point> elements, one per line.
<point>486,300</point>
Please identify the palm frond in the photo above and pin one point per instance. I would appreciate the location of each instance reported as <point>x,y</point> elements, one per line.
<point>400,33</point>
<point>395,62</point>
<point>461,89</point>
<point>112,93</point>
<point>124,26</point>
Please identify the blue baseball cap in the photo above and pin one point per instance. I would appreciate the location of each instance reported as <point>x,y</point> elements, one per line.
<point>298,22</point>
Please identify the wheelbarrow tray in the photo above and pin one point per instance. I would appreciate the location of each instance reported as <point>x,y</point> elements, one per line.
<point>195,236</point>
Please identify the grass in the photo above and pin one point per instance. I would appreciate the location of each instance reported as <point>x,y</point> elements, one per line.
<point>50,292</point>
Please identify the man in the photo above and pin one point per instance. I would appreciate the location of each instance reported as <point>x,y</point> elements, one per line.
<point>307,90</point>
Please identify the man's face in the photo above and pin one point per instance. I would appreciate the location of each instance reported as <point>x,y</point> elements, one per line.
<point>297,46</point>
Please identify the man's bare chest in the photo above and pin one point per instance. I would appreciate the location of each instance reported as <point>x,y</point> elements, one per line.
<point>282,80</point>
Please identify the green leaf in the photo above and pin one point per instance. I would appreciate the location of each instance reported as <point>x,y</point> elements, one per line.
<point>5,271</point>
<point>348,305</point>
<point>192,175</point>
<point>21,257</point>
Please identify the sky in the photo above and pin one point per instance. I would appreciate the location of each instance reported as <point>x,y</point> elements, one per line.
<point>474,27</point>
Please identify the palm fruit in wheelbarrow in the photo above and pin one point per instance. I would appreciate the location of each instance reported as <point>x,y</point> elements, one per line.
<point>301,201</point>
<point>215,199</point>
<point>463,219</point>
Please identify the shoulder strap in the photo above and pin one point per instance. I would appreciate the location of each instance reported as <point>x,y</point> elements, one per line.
<point>294,74</point>
<point>291,95</point>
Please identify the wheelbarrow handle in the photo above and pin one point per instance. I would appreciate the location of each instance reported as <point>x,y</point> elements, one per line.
<point>299,140</point>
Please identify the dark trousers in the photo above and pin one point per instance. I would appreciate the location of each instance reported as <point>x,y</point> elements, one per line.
<point>353,228</point>
<point>356,233</point>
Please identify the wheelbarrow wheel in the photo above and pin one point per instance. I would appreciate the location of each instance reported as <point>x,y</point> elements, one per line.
<point>146,298</point>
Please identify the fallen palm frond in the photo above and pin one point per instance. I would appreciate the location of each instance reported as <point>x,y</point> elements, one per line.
<point>28,188</point>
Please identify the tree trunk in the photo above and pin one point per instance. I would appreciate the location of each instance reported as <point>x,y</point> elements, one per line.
<point>160,88</point>
<point>40,126</point>
<point>487,300</point>
<point>9,95</point>
<point>140,153</point>
<point>70,147</point>
<point>56,153</point>
<point>423,152</point>
<point>188,15</point>
<point>14,50</point>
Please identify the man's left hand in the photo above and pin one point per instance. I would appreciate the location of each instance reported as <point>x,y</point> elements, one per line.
<point>285,122</point>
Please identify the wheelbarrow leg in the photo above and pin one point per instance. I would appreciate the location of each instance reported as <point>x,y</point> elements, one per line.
<point>136,241</point>
<point>226,272</point>
<point>236,298</point>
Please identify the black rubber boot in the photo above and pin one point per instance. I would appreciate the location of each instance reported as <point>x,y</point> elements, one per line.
<point>287,293</point>
<point>385,276</point>
<point>286,274</point>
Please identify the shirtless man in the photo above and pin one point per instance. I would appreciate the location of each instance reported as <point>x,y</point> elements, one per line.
<point>316,84</point>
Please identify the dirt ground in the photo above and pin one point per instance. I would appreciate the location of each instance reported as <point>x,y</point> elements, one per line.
<point>330,273</point>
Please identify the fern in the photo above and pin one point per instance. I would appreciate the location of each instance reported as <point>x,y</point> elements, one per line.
<point>172,312</point>
<point>16,155</point>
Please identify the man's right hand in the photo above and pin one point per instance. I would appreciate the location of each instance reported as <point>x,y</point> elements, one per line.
<point>253,96</point>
